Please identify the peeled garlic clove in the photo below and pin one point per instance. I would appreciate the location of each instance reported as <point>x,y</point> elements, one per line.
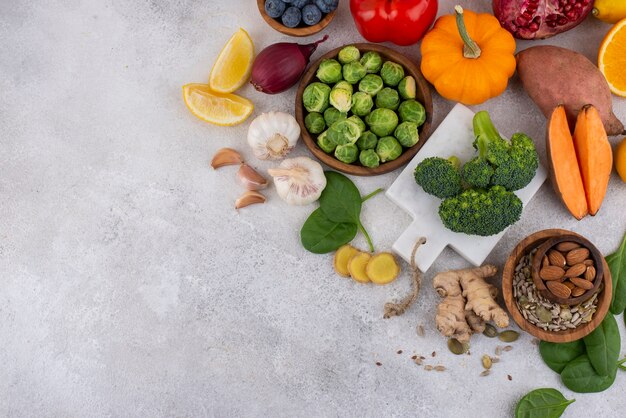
<point>226,156</point>
<point>249,198</point>
<point>272,135</point>
<point>250,179</point>
<point>299,181</point>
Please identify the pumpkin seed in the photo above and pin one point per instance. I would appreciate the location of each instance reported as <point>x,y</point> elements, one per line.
<point>456,347</point>
<point>490,331</point>
<point>509,336</point>
<point>543,314</point>
<point>486,361</point>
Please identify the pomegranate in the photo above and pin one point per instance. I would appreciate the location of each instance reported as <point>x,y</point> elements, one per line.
<point>539,19</point>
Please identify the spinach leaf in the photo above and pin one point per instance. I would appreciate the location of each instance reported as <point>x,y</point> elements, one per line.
<point>557,356</point>
<point>580,376</point>
<point>340,199</point>
<point>603,346</point>
<point>617,265</point>
<point>320,235</point>
<point>542,403</point>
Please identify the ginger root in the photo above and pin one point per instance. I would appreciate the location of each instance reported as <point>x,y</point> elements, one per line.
<point>468,302</point>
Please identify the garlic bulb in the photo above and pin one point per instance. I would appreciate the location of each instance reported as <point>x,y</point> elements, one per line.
<point>272,135</point>
<point>299,181</point>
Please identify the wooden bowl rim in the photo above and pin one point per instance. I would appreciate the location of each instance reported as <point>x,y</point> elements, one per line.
<point>297,31</point>
<point>422,90</point>
<point>549,244</point>
<point>522,248</point>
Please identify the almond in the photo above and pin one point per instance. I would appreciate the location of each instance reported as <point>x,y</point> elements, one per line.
<point>556,258</point>
<point>590,273</point>
<point>575,270</point>
<point>576,256</point>
<point>588,262</point>
<point>558,289</point>
<point>551,273</point>
<point>567,246</point>
<point>545,262</point>
<point>570,285</point>
<point>578,291</point>
<point>585,284</point>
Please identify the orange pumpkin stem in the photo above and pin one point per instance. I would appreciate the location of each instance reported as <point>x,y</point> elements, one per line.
<point>471,48</point>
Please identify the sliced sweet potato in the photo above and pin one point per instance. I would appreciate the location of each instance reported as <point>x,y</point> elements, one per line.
<point>356,266</point>
<point>342,256</point>
<point>595,156</point>
<point>565,172</point>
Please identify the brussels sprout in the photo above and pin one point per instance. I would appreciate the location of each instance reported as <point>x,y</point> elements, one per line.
<point>347,153</point>
<point>343,84</point>
<point>359,122</point>
<point>406,134</point>
<point>407,87</point>
<point>324,143</point>
<point>314,123</point>
<point>412,111</point>
<point>344,132</point>
<point>348,54</point>
<point>391,73</point>
<point>371,84</point>
<point>369,158</point>
<point>388,98</point>
<point>388,149</point>
<point>353,72</point>
<point>332,115</point>
<point>329,71</point>
<point>372,62</point>
<point>340,99</point>
<point>367,140</point>
<point>382,121</point>
<point>362,103</point>
<point>315,97</point>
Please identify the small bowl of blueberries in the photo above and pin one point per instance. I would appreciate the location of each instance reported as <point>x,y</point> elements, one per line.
<point>298,17</point>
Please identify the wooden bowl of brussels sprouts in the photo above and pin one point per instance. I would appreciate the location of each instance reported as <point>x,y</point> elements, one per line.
<point>311,18</point>
<point>364,109</point>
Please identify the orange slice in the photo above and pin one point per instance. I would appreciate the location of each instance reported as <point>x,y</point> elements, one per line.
<point>217,108</point>
<point>612,58</point>
<point>234,63</point>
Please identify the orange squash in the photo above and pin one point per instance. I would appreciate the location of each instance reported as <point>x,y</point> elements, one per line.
<point>468,57</point>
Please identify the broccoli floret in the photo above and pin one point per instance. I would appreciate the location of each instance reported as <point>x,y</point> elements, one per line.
<point>514,164</point>
<point>480,211</point>
<point>439,177</point>
<point>477,172</point>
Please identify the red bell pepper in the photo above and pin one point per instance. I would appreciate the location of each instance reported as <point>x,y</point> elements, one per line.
<point>403,22</point>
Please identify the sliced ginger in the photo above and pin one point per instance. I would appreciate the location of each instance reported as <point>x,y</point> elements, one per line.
<point>382,268</point>
<point>356,267</point>
<point>342,257</point>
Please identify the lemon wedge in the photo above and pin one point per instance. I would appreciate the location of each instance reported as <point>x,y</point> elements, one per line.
<point>217,108</point>
<point>234,64</point>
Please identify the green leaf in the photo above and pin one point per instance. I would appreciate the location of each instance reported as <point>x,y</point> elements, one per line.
<point>580,376</point>
<point>557,356</point>
<point>340,200</point>
<point>603,346</point>
<point>320,235</point>
<point>542,403</point>
<point>617,265</point>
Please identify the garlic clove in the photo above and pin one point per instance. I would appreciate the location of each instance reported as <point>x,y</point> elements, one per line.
<point>250,197</point>
<point>299,181</point>
<point>250,179</point>
<point>226,156</point>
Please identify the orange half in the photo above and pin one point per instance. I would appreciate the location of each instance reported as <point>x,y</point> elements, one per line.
<point>612,58</point>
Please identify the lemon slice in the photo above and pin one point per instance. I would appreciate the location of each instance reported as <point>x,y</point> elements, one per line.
<point>217,108</point>
<point>233,64</point>
<point>612,58</point>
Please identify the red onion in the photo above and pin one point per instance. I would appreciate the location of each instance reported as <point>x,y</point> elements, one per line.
<point>540,19</point>
<point>280,66</point>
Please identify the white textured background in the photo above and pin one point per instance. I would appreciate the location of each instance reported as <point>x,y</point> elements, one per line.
<point>129,286</point>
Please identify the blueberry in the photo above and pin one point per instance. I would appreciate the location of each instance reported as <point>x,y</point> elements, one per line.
<point>327,6</point>
<point>311,14</point>
<point>291,17</point>
<point>299,3</point>
<point>274,8</point>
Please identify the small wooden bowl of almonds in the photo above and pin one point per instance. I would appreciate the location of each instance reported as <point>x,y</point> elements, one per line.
<point>567,269</point>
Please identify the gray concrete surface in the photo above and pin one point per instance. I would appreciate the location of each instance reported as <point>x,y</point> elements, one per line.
<point>129,286</point>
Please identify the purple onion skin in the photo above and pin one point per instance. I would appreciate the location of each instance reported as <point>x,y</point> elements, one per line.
<point>540,19</point>
<point>279,66</point>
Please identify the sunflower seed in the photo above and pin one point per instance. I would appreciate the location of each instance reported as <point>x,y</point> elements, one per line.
<point>440,368</point>
<point>420,330</point>
<point>507,348</point>
<point>485,373</point>
<point>428,367</point>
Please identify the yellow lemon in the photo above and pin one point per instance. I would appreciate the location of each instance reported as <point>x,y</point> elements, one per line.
<point>234,63</point>
<point>612,58</point>
<point>217,108</point>
<point>610,11</point>
<point>620,160</point>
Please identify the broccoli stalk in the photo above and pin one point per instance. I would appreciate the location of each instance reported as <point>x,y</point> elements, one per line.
<point>439,177</point>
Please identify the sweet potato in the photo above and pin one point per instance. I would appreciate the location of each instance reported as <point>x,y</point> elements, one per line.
<point>595,156</point>
<point>564,169</point>
<point>552,75</point>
